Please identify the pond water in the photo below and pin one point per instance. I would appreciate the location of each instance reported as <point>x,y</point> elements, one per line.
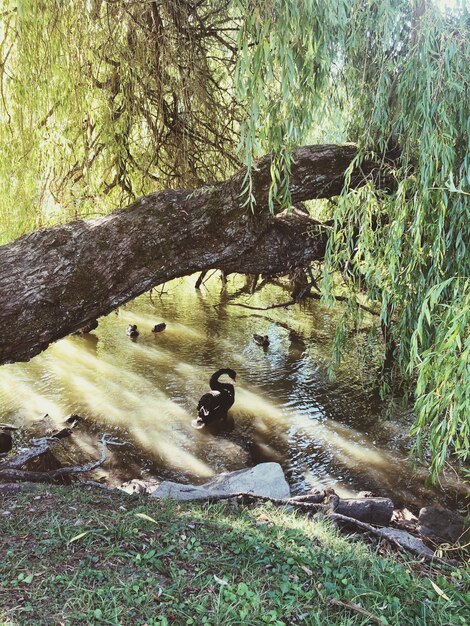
<point>145,391</point>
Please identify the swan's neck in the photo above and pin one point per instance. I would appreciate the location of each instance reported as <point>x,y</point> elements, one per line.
<point>216,385</point>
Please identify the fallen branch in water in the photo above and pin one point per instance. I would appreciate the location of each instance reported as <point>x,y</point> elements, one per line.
<point>312,296</point>
<point>10,470</point>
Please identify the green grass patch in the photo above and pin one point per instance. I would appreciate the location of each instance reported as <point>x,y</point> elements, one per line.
<point>75,556</point>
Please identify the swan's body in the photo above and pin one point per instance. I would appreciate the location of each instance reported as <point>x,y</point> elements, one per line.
<point>213,406</point>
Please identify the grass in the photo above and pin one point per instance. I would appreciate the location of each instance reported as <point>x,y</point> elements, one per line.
<point>75,556</point>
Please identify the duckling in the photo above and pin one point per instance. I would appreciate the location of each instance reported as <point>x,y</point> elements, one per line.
<point>261,340</point>
<point>132,330</point>
<point>159,327</point>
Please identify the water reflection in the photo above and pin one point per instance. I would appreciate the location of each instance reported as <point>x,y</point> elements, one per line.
<point>286,409</point>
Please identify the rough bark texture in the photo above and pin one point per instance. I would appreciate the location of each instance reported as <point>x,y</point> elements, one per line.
<point>55,281</point>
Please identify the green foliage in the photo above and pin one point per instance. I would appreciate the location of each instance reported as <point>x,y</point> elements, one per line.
<point>287,51</point>
<point>410,246</point>
<point>440,353</point>
<point>105,101</point>
<point>402,70</point>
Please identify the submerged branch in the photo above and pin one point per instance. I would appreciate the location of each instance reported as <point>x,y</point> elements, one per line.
<point>10,470</point>
<point>312,296</point>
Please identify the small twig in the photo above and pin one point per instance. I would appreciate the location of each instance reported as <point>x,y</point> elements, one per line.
<point>209,277</point>
<point>94,483</point>
<point>250,497</point>
<point>355,607</point>
<point>200,279</point>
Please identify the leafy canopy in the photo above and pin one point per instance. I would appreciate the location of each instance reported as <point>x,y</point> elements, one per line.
<point>102,101</point>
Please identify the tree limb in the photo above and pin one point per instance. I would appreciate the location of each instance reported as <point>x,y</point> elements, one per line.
<point>9,470</point>
<point>56,280</point>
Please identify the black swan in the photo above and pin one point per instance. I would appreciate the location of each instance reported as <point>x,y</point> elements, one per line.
<point>261,340</point>
<point>132,330</point>
<point>213,406</point>
<point>159,327</point>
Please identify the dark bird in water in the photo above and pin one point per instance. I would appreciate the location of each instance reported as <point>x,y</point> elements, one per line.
<point>132,330</point>
<point>159,327</point>
<point>261,340</point>
<point>213,406</point>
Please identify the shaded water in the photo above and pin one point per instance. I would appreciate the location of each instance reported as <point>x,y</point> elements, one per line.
<point>286,409</point>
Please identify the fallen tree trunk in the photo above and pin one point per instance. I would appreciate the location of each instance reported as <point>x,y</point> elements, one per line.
<point>56,280</point>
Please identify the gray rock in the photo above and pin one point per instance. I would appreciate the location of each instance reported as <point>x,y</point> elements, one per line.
<point>6,441</point>
<point>265,479</point>
<point>442,524</point>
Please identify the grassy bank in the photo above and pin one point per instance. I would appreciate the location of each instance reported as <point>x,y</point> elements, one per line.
<point>80,557</point>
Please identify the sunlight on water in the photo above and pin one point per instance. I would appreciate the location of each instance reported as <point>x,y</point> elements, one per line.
<point>145,392</point>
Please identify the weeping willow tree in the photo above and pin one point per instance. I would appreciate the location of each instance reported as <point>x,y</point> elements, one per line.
<point>103,101</point>
<point>106,101</point>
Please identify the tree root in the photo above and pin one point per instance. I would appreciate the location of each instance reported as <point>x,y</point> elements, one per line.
<point>327,507</point>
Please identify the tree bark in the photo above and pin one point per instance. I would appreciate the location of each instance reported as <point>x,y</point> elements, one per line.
<point>56,280</point>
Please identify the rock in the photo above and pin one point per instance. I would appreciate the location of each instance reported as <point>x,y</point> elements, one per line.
<point>406,540</point>
<point>6,441</point>
<point>370,510</point>
<point>265,479</point>
<point>137,485</point>
<point>442,525</point>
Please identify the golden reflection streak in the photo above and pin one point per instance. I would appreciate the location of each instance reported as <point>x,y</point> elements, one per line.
<point>116,402</point>
<point>33,403</point>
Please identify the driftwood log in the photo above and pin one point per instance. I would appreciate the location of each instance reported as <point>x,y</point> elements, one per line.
<point>58,280</point>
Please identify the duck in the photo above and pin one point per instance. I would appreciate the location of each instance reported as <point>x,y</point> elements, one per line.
<point>159,327</point>
<point>213,406</point>
<point>261,340</point>
<point>132,330</point>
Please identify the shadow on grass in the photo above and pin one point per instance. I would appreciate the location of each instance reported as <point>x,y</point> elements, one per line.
<point>75,556</point>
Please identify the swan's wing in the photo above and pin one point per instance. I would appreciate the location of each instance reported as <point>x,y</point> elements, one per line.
<point>208,403</point>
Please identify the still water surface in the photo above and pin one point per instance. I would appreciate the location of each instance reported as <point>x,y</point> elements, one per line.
<point>286,408</point>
